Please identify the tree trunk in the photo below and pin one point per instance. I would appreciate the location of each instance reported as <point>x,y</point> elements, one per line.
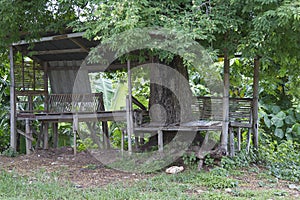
<point>170,94</point>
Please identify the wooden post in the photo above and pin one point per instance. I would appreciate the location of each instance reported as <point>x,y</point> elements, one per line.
<point>129,108</point>
<point>128,125</point>
<point>122,141</point>
<point>46,134</point>
<point>239,138</point>
<point>29,134</point>
<point>55,134</point>
<point>224,137</point>
<point>75,130</point>
<point>106,140</point>
<point>160,141</point>
<point>46,100</point>
<point>231,139</point>
<point>255,101</point>
<point>13,127</point>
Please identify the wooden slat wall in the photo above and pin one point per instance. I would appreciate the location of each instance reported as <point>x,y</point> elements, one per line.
<point>210,108</point>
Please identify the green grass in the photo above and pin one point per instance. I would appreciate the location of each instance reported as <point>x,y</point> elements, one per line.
<point>187,185</point>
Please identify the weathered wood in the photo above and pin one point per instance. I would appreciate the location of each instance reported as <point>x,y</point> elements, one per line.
<point>160,141</point>
<point>59,51</point>
<point>13,126</point>
<point>46,103</point>
<point>25,135</point>
<point>139,104</point>
<point>46,135</point>
<point>231,141</point>
<point>255,101</point>
<point>224,136</point>
<point>51,38</point>
<point>129,108</point>
<point>80,45</point>
<point>123,132</point>
<point>75,131</point>
<point>239,138</point>
<point>55,134</point>
<point>128,126</point>
<point>27,140</point>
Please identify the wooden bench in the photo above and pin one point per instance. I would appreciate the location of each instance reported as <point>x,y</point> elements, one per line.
<point>240,116</point>
<point>208,112</point>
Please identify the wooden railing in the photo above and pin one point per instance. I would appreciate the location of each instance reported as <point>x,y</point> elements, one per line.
<point>71,103</point>
<point>211,109</point>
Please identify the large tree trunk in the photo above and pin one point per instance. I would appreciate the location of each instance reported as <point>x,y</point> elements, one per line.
<point>170,96</point>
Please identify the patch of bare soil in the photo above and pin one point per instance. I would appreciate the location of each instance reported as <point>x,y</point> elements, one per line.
<point>83,169</point>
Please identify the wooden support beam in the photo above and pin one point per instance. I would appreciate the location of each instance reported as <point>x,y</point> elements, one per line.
<point>80,45</point>
<point>239,138</point>
<point>255,101</point>
<point>160,141</point>
<point>128,125</point>
<point>46,134</point>
<point>55,134</point>
<point>122,141</point>
<point>231,142</point>
<point>129,108</point>
<point>27,140</point>
<point>50,38</point>
<point>105,131</point>
<point>139,104</point>
<point>13,127</point>
<point>25,135</point>
<point>225,125</point>
<point>58,51</point>
<point>75,131</point>
<point>46,103</point>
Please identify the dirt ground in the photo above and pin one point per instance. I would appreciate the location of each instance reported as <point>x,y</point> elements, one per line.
<point>83,169</point>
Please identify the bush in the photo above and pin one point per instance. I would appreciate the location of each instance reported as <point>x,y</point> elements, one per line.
<point>282,160</point>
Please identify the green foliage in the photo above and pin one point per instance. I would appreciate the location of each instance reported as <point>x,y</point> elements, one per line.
<point>10,153</point>
<point>282,160</point>
<point>189,159</point>
<point>284,124</point>
<point>86,144</point>
<point>4,102</point>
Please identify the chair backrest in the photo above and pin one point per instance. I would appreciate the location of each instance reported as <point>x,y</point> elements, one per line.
<point>211,109</point>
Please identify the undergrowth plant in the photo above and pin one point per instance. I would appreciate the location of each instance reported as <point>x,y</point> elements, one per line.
<point>282,160</point>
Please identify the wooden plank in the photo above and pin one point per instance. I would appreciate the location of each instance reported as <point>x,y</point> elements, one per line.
<point>75,131</point>
<point>139,104</point>
<point>55,134</point>
<point>129,108</point>
<point>239,138</point>
<point>122,141</point>
<point>160,141</point>
<point>80,45</point>
<point>46,103</point>
<point>57,51</point>
<point>128,126</point>
<point>27,140</point>
<point>13,127</point>
<point>231,143</point>
<point>50,38</point>
<point>46,135</point>
<point>25,135</point>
